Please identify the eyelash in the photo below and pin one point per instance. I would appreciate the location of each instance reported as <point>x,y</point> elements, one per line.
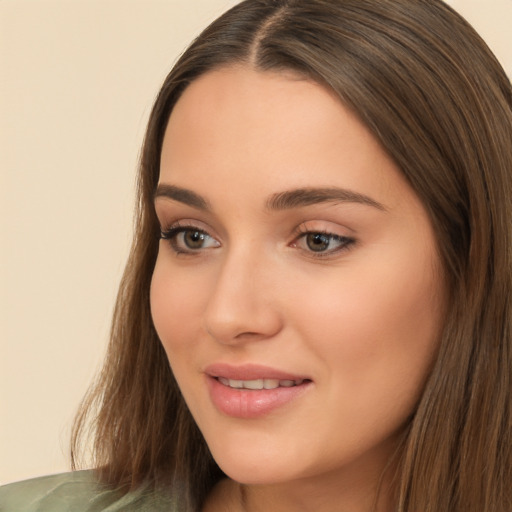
<point>345,242</point>
<point>172,233</point>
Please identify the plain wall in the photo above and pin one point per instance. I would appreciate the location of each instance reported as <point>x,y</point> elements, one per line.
<point>77,81</point>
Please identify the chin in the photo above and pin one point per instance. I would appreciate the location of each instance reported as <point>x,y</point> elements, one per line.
<point>255,474</point>
<point>256,466</point>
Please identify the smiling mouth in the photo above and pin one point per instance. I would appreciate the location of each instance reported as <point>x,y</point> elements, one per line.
<point>259,384</point>
<point>253,391</point>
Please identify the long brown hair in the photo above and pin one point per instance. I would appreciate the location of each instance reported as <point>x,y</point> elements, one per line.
<point>433,94</point>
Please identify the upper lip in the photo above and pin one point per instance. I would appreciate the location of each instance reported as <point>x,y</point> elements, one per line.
<point>250,372</point>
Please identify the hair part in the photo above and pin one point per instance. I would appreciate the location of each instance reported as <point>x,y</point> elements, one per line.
<point>429,89</point>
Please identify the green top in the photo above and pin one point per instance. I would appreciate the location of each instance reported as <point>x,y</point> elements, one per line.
<point>77,491</point>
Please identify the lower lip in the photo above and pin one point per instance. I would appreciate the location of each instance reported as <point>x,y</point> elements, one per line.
<point>247,403</point>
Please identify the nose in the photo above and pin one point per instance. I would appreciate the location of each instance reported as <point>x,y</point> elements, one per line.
<point>242,306</point>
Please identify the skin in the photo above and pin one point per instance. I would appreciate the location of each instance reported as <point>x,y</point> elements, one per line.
<point>361,318</point>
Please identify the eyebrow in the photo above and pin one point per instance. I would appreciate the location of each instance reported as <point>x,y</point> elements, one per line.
<point>308,196</point>
<point>182,195</point>
<point>286,200</point>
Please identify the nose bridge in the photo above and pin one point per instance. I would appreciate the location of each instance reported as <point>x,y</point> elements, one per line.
<point>241,302</point>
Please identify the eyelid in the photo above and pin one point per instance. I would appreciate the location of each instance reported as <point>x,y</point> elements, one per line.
<point>170,224</point>
<point>176,228</point>
<point>305,229</point>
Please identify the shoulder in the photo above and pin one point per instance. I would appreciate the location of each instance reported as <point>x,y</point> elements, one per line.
<point>77,491</point>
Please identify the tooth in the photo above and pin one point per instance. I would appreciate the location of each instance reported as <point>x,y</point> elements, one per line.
<point>270,383</point>
<point>253,384</point>
<point>257,384</point>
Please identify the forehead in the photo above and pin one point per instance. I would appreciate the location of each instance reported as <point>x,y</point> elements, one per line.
<point>262,103</point>
<point>267,131</point>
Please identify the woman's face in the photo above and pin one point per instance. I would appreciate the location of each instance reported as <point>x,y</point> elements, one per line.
<point>297,290</point>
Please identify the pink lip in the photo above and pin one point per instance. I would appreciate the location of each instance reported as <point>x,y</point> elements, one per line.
<point>251,404</point>
<point>249,372</point>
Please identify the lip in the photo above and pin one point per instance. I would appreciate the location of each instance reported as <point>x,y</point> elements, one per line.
<point>250,372</point>
<point>251,404</point>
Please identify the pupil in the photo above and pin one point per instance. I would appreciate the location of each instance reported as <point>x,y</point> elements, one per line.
<point>317,242</point>
<point>194,239</point>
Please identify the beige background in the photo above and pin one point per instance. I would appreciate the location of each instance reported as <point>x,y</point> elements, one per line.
<point>77,80</point>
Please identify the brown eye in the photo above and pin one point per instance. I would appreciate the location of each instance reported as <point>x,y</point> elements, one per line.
<point>322,244</point>
<point>318,242</point>
<point>189,240</point>
<point>194,239</point>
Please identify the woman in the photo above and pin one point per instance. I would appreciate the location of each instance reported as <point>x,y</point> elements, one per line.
<point>315,314</point>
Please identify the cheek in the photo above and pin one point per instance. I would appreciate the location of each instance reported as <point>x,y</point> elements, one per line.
<point>376,331</point>
<point>175,305</point>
